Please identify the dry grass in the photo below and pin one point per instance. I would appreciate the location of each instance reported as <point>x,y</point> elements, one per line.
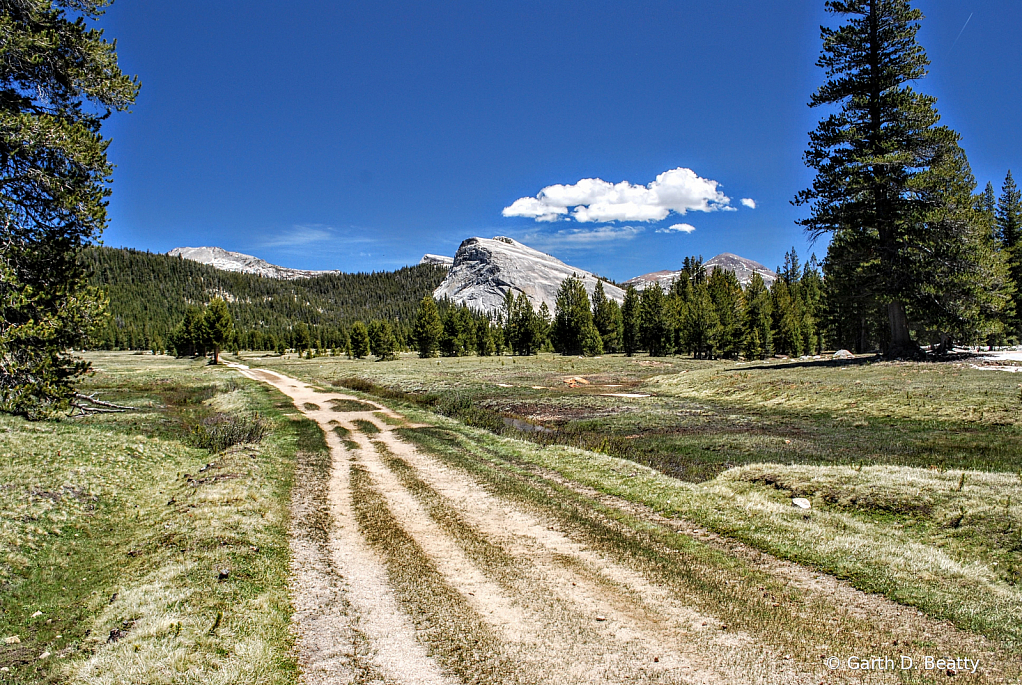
<point>117,530</point>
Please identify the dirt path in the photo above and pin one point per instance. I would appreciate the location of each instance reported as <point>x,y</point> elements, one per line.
<point>423,573</point>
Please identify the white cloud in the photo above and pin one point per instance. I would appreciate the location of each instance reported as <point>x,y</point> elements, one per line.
<point>581,237</point>
<point>749,202</point>
<point>591,199</point>
<point>677,228</point>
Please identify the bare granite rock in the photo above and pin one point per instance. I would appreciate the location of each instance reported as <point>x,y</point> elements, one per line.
<point>437,259</point>
<point>484,269</point>
<point>743,268</point>
<point>222,259</point>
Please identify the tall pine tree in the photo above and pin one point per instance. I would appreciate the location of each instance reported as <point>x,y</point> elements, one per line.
<point>881,165</point>
<point>1009,234</point>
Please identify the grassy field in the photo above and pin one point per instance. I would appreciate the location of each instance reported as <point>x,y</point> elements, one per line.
<point>914,471</point>
<point>130,555</point>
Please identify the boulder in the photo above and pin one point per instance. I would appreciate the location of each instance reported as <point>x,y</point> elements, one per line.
<point>801,503</point>
<point>843,354</point>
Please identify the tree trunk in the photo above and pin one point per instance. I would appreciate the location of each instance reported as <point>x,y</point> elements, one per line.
<point>902,344</point>
<point>216,354</point>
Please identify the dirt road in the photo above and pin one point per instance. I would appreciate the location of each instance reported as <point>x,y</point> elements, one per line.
<point>411,568</point>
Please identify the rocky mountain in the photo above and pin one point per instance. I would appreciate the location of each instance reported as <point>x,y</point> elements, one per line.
<point>225,260</point>
<point>743,268</point>
<point>484,269</point>
<point>438,260</point>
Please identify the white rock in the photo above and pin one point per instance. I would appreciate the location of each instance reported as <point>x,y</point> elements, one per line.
<point>44,655</point>
<point>843,354</point>
<point>742,267</point>
<point>225,260</point>
<point>484,269</point>
<point>12,640</point>
<point>37,614</point>
<point>801,503</point>
<point>438,260</point>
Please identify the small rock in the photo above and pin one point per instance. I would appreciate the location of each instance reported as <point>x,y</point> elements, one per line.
<point>12,640</point>
<point>224,574</point>
<point>801,503</point>
<point>37,614</point>
<point>601,618</point>
<point>44,655</point>
<point>843,354</point>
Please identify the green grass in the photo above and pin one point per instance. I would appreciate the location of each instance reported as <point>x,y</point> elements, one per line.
<point>367,427</point>
<point>711,580</point>
<point>703,418</point>
<point>350,405</point>
<point>118,523</point>
<point>852,532</point>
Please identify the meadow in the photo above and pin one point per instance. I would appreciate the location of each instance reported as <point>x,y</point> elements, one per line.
<point>140,547</point>
<point>130,554</point>
<point>914,470</point>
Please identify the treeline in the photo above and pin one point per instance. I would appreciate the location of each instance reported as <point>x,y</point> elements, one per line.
<point>705,315</point>
<point>150,294</point>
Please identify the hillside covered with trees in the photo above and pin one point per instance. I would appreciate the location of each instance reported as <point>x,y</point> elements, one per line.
<point>149,295</point>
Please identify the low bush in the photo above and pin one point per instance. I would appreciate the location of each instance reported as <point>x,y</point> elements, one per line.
<point>219,431</point>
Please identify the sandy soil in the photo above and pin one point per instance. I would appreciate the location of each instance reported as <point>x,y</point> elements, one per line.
<point>560,611</point>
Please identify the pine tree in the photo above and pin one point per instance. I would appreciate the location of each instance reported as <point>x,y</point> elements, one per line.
<point>572,316</point>
<point>699,322</point>
<point>758,339</point>
<point>630,321</point>
<point>654,328</point>
<point>382,342</point>
<point>876,160</point>
<point>1009,234</point>
<point>59,81</point>
<point>728,306</point>
<point>484,338</point>
<point>428,328</point>
<point>359,340</point>
<point>605,318</point>
<point>218,327</point>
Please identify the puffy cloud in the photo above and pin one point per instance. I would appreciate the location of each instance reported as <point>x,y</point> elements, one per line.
<point>535,208</point>
<point>749,202</point>
<point>592,199</point>
<point>677,228</point>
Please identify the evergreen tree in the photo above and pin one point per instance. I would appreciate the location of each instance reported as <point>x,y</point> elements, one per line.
<point>1009,234</point>
<point>523,327</point>
<point>218,327</point>
<point>758,338</point>
<point>359,340</point>
<point>572,316</point>
<point>630,321</point>
<point>382,342</point>
<point>876,157</point>
<point>654,329</point>
<point>544,322</point>
<point>699,322</point>
<point>485,346</point>
<point>452,343</point>
<point>302,338</point>
<point>59,81</point>
<point>728,306</point>
<point>606,314</point>
<point>428,328</point>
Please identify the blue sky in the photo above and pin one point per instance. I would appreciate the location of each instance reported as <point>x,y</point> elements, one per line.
<point>358,136</point>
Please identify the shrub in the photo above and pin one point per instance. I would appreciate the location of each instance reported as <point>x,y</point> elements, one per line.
<point>219,431</point>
